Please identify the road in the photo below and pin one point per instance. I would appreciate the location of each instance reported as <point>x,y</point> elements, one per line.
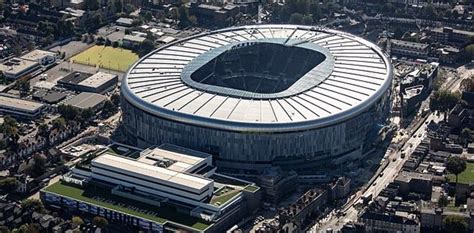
<point>381,180</point>
<point>350,213</point>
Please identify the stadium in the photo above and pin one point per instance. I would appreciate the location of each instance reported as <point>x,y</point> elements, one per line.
<point>259,96</point>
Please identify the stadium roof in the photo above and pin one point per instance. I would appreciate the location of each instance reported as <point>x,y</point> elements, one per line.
<point>353,76</point>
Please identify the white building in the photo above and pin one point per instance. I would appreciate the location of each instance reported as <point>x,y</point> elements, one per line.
<point>43,57</point>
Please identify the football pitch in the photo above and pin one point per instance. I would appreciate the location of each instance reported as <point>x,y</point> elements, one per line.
<point>106,57</point>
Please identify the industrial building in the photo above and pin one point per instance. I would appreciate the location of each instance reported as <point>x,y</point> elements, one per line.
<point>87,100</point>
<point>42,57</point>
<point>260,96</point>
<point>99,82</point>
<point>160,189</point>
<point>16,68</point>
<point>20,108</point>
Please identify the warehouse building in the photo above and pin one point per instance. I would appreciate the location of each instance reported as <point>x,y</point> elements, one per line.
<point>20,108</point>
<point>99,82</point>
<point>87,100</point>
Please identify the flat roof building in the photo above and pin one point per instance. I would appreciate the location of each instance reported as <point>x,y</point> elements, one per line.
<point>20,108</point>
<point>16,68</point>
<point>99,82</point>
<point>43,57</point>
<point>161,187</point>
<point>87,100</point>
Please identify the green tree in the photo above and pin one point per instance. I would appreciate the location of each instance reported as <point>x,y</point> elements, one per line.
<point>87,114</point>
<point>466,135</point>
<point>39,166</point>
<point>129,8</point>
<point>296,18</point>
<point>59,123</point>
<point>118,6</point>
<point>77,221</point>
<point>115,98</point>
<point>68,112</point>
<point>9,184</point>
<point>147,46</point>
<point>469,52</point>
<point>31,45</point>
<point>455,165</point>
<point>467,84</point>
<point>23,86</point>
<point>43,130</point>
<point>307,20</point>
<point>92,5</point>
<point>454,224</point>
<point>4,229</point>
<point>443,201</point>
<point>100,221</point>
<point>148,16</point>
<point>32,204</point>
<point>443,101</point>
<point>108,108</point>
<point>183,17</point>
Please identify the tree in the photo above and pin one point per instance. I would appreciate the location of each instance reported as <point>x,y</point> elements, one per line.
<point>455,165</point>
<point>28,228</point>
<point>147,46</point>
<point>443,201</point>
<point>92,5</point>
<point>307,20</point>
<point>148,16</point>
<point>443,101</point>
<point>32,204</point>
<point>9,184</point>
<point>115,44</point>
<point>129,8</point>
<point>296,18</point>
<point>59,123</point>
<point>466,135</point>
<point>108,42</point>
<point>115,98</point>
<point>100,40</point>
<point>398,33</point>
<point>100,221</point>
<point>30,45</point>
<point>469,52</point>
<point>43,130</point>
<point>39,166</point>
<point>87,114</point>
<point>77,221</point>
<point>467,84</point>
<point>4,229</point>
<point>68,112</point>
<point>454,224</point>
<point>183,17</point>
<point>108,108</point>
<point>23,86</point>
<point>118,6</point>
<point>17,50</point>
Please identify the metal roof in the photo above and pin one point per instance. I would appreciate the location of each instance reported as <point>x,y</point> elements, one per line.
<point>359,75</point>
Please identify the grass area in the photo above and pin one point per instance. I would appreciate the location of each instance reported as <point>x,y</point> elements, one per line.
<point>123,151</point>
<point>223,195</point>
<point>107,57</point>
<point>251,188</point>
<point>466,177</point>
<point>96,195</point>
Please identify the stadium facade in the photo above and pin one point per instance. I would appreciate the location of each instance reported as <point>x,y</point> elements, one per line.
<point>298,97</point>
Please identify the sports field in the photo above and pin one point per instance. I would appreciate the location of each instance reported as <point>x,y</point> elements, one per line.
<point>106,57</point>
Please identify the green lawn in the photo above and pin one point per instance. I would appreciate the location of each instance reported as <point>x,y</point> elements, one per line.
<point>251,188</point>
<point>466,177</point>
<point>223,195</point>
<point>107,57</point>
<point>92,193</point>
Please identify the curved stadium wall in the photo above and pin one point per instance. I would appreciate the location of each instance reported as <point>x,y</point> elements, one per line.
<point>210,93</point>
